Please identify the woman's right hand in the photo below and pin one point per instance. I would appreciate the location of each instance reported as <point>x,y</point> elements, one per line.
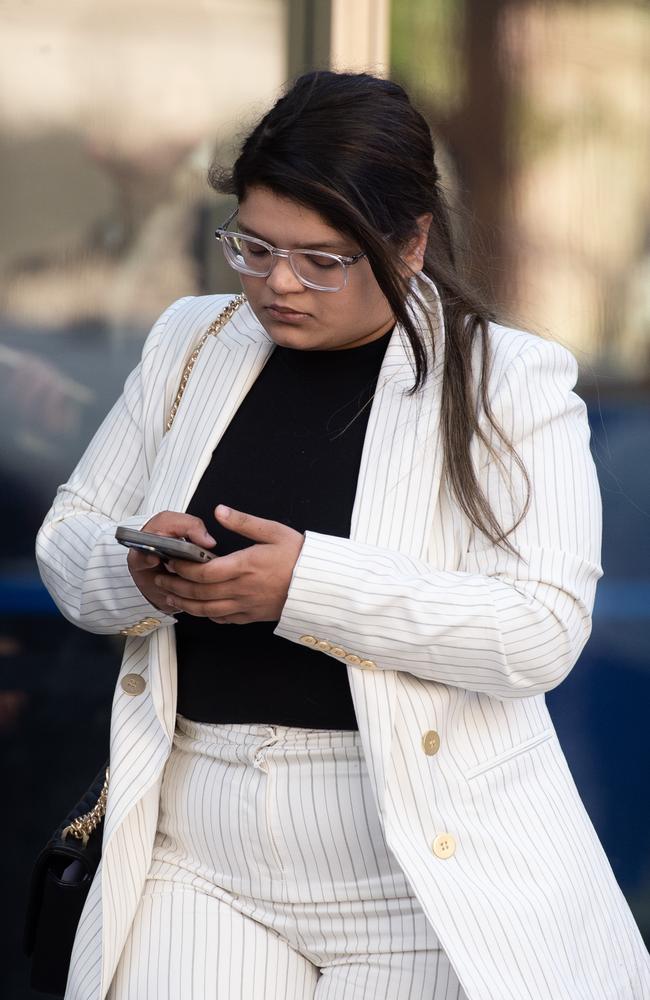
<point>144,566</point>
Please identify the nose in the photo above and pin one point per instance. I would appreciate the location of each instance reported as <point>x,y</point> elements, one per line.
<point>282,280</point>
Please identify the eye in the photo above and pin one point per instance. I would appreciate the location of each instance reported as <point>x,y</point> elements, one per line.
<point>323,263</point>
<point>251,249</point>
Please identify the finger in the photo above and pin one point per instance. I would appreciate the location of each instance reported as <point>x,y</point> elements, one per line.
<point>219,570</point>
<point>140,561</point>
<point>173,588</point>
<point>149,560</point>
<point>258,528</point>
<point>204,609</point>
<point>176,588</point>
<point>199,534</point>
<point>174,524</point>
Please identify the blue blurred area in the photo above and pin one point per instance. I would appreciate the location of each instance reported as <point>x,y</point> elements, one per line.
<point>601,710</point>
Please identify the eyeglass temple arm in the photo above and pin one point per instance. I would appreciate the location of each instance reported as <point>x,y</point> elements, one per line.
<point>228,220</point>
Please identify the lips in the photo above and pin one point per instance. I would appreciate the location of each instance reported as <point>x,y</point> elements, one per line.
<point>285,310</point>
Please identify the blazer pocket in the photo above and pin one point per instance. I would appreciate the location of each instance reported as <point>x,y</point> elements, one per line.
<point>509,754</point>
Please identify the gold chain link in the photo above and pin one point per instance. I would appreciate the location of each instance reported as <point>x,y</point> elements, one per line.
<point>83,826</point>
<point>212,331</point>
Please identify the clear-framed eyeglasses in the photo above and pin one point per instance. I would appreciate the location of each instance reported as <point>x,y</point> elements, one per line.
<point>326,272</point>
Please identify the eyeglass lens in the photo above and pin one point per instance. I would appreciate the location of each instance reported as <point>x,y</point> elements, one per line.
<point>319,270</point>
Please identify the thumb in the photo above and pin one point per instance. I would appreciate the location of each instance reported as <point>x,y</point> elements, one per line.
<point>258,528</point>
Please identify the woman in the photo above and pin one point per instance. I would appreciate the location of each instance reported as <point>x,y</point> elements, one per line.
<point>356,790</point>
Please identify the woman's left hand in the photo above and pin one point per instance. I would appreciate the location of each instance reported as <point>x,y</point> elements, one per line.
<point>249,585</point>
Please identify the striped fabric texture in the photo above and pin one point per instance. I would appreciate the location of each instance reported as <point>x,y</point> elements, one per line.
<point>465,640</point>
<point>271,878</point>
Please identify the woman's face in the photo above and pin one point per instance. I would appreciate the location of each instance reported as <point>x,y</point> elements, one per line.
<point>332,321</point>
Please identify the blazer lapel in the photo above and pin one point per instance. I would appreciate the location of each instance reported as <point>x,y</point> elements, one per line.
<point>225,370</point>
<point>397,490</point>
<point>401,462</point>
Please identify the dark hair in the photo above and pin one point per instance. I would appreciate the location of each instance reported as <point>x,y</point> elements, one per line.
<point>352,147</point>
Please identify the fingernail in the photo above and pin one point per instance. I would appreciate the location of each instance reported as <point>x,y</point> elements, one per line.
<point>223,511</point>
<point>211,540</point>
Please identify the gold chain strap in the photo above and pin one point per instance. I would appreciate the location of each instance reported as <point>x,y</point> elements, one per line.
<point>83,826</point>
<point>212,331</point>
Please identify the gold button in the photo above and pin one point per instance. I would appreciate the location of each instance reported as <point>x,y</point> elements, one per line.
<point>141,627</point>
<point>338,651</point>
<point>431,742</point>
<point>324,644</point>
<point>353,658</point>
<point>133,683</point>
<point>368,665</point>
<point>309,640</point>
<point>444,845</point>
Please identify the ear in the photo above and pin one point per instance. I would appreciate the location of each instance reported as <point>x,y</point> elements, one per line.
<point>413,252</point>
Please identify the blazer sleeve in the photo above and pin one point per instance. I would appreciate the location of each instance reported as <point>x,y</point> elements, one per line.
<point>82,565</point>
<point>509,626</point>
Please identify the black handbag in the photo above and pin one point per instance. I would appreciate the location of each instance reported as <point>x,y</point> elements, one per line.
<point>59,885</point>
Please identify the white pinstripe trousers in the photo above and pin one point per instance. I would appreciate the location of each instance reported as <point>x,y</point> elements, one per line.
<point>271,879</point>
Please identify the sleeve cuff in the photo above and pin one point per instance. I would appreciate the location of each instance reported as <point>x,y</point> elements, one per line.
<point>317,631</point>
<point>122,604</point>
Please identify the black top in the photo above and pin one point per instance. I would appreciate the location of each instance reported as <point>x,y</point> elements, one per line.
<point>291,454</point>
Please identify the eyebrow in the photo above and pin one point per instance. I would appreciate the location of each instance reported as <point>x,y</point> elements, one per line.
<point>335,247</point>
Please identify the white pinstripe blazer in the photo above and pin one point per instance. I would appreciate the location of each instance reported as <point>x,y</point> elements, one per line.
<point>466,639</point>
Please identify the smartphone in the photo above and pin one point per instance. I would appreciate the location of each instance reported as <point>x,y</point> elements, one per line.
<point>162,546</point>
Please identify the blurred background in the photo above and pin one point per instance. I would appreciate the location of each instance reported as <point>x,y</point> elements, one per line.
<point>109,117</point>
